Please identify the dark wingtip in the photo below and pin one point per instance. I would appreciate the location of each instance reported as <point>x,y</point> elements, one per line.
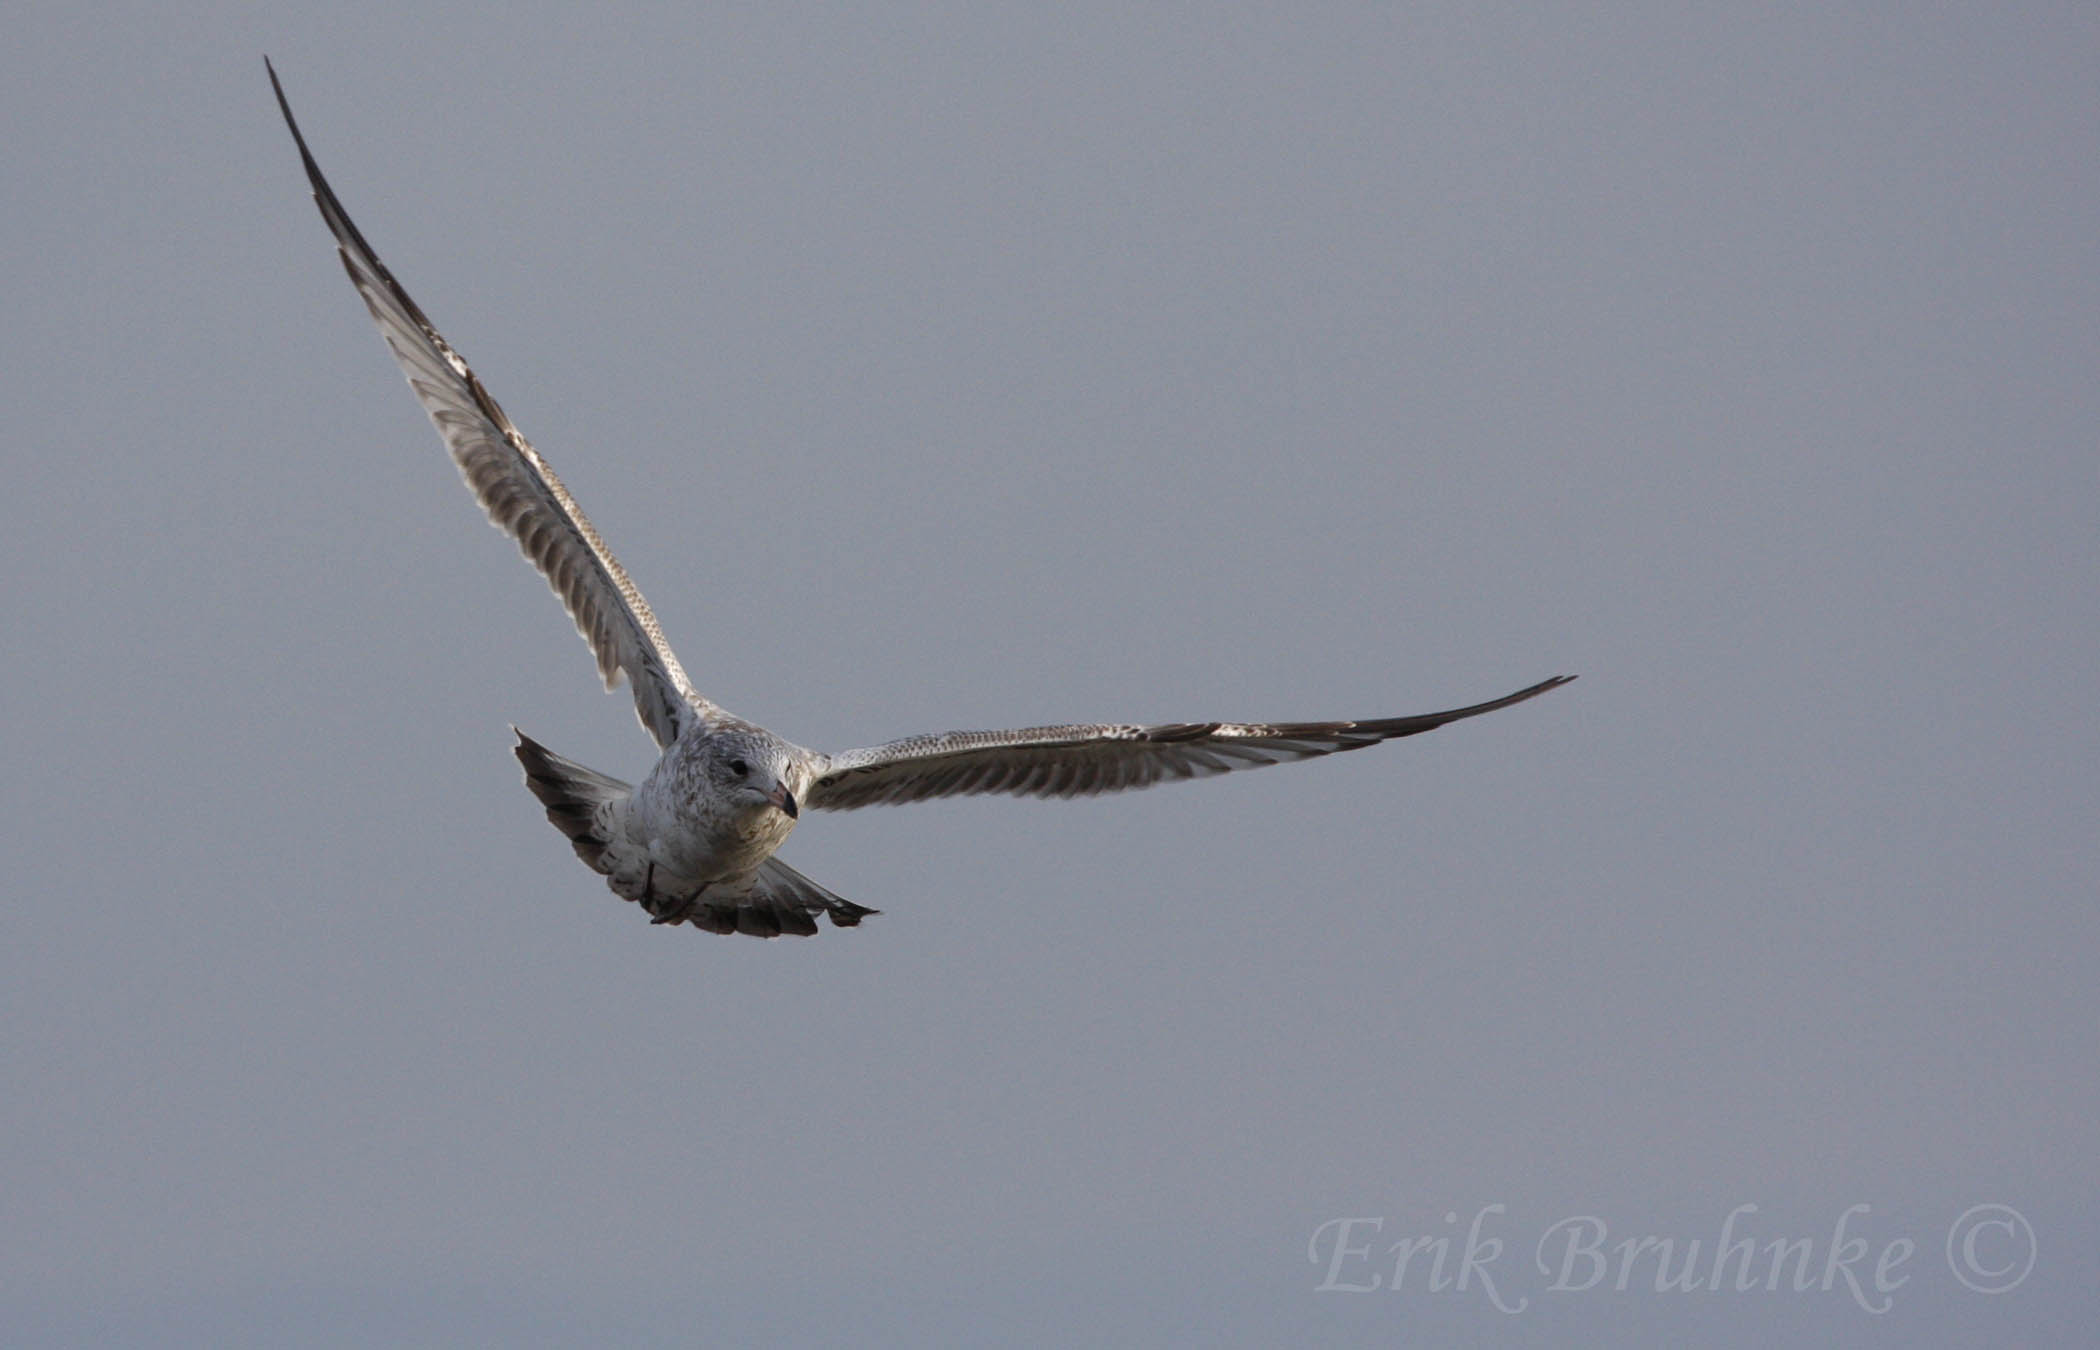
<point>284,105</point>
<point>1541,687</point>
<point>1529,692</point>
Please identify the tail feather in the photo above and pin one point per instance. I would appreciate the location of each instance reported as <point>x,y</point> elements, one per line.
<point>778,900</point>
<point>790,888</point>
<point>576,798</point>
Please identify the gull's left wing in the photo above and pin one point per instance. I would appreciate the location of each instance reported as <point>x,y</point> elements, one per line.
<point>1082,760</point>
<point>515,486</point>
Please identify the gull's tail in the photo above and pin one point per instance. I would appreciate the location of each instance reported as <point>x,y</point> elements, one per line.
<point>581,803</point>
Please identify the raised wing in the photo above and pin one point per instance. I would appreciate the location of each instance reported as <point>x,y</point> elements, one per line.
<point>1077,761</point>
<point>517,488</point>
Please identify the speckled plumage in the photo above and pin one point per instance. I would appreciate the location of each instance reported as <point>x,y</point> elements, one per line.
<point>695,841</point>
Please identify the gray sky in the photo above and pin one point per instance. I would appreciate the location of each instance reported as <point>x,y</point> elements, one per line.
<point>966,367</point>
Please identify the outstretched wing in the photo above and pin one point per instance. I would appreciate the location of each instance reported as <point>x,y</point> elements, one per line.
<point>1076,761</point>
<point>515,486</point>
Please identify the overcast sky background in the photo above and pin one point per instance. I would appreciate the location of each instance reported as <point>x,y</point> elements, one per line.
<point>978,367</point>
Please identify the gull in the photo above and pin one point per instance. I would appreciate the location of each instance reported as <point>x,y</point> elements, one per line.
<point>695,842</point>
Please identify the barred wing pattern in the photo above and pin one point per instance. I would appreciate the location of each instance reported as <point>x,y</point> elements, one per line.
<point>517,488</point>
<point>1082,760</point>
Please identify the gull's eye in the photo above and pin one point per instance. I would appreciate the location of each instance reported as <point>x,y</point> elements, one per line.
<point>739,768</point>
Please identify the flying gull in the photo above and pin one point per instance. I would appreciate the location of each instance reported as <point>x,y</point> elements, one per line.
<point>695,842</point>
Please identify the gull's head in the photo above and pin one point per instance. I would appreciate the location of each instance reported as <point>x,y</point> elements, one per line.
<point>754,770</point>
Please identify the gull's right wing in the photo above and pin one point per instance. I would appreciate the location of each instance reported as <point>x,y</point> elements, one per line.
<point>515,486</point>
